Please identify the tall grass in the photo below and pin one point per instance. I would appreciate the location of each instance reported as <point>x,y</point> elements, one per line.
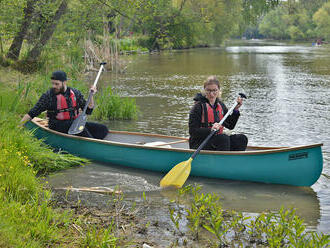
<point>110,106</point>
<point>26,216</point>
<point>18,144</point>
<point>19,97</point>
<point>99,237</point>
<point>129,45</point>
<point>63,57</point>
<point>31,224</point>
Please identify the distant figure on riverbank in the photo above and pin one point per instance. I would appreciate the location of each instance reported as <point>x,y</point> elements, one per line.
<point>206,115</point>
<point>62,104</point>
<point>319,42</point>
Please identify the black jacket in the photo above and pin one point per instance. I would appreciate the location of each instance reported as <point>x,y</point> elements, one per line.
<point>48,101</point>
<point>196,131</point>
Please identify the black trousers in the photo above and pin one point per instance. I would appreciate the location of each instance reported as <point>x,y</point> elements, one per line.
<point>94,130</point>
<point>91,130</point>
<point>224,142</point>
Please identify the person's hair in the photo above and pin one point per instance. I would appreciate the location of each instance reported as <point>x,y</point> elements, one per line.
<point>212,80</point>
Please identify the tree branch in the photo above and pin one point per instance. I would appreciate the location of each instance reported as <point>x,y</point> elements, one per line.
<point>116,10</point>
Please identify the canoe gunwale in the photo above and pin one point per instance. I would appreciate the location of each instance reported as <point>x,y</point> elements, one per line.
<point>257,150</point>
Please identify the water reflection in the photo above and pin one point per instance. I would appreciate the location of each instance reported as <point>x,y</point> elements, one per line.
<point>288,86</point>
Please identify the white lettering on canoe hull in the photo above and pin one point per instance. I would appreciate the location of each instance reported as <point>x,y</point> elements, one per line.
<point>299,155</point>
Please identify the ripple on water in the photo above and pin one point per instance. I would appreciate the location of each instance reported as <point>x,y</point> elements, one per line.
<point>96,175</point>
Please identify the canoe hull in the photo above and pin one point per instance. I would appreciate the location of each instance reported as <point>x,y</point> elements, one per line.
<point>300,167</point>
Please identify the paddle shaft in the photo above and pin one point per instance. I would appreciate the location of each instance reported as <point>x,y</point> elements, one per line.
<point>91,93</point>
<point>79,123</point>
<point>213,131</point>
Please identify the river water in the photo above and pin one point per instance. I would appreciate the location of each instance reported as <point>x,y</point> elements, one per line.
<point>288,89</point>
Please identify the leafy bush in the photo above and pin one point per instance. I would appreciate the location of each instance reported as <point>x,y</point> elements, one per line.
<point>295,33</point>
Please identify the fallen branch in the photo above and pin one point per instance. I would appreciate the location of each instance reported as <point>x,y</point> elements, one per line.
<point>101,190</point>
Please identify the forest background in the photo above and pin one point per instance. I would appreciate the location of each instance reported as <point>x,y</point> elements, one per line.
<point>40,34</point>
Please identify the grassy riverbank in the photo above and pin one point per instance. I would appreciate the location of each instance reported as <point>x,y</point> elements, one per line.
<point>26,217</point>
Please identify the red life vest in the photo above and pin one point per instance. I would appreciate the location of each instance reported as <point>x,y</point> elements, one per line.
<point>63,110</point>
<point>209,119</point>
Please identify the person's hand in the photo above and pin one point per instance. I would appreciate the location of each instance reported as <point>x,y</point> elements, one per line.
<point>93,89</point>
<point>239,103</point>
<point>216,126</point>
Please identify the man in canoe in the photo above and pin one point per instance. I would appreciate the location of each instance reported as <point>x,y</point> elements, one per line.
<point>62,104</point>
<point>206,115</point>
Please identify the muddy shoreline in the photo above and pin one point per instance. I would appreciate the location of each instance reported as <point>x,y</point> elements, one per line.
<point>137,222</point>
<point>176,218</point>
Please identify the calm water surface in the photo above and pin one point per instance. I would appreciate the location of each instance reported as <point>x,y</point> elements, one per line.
<point>288,89</point>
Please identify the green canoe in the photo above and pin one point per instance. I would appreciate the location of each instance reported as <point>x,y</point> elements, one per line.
<point>299,165</point>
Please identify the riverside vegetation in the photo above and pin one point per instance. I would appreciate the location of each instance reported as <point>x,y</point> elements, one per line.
<point>33,215</point>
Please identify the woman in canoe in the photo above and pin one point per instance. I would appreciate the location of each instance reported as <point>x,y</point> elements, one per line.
<point>206,115</point>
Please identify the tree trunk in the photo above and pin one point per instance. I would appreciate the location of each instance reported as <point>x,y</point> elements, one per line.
<point>16,45</point>
<point>291,6</point>
<point>129,28</point>
<point>34,54</point>
<point>119,27</point>
<point>1,46</point>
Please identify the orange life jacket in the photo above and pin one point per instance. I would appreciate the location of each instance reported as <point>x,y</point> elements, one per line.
<point>211,115</point>
<point>63,109</point>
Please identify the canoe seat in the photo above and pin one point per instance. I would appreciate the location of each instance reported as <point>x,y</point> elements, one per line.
<point>158,143</point>
<point>43,122</point>
<point>164,144</point>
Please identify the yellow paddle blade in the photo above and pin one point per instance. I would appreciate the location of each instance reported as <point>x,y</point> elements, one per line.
<point>178,175</point>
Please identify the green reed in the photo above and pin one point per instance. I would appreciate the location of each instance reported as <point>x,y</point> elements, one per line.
<point>131,45</point>
<point>20,143</point>
<point>100,237</point>
<point>31,224</point>
<point>111,106</point>
<point>284,229</point>
<point>205,214</point>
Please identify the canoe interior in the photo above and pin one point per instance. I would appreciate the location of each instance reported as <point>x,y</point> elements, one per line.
<point>156,140</point>
<point>160,141</point>
<point>147,140</point>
